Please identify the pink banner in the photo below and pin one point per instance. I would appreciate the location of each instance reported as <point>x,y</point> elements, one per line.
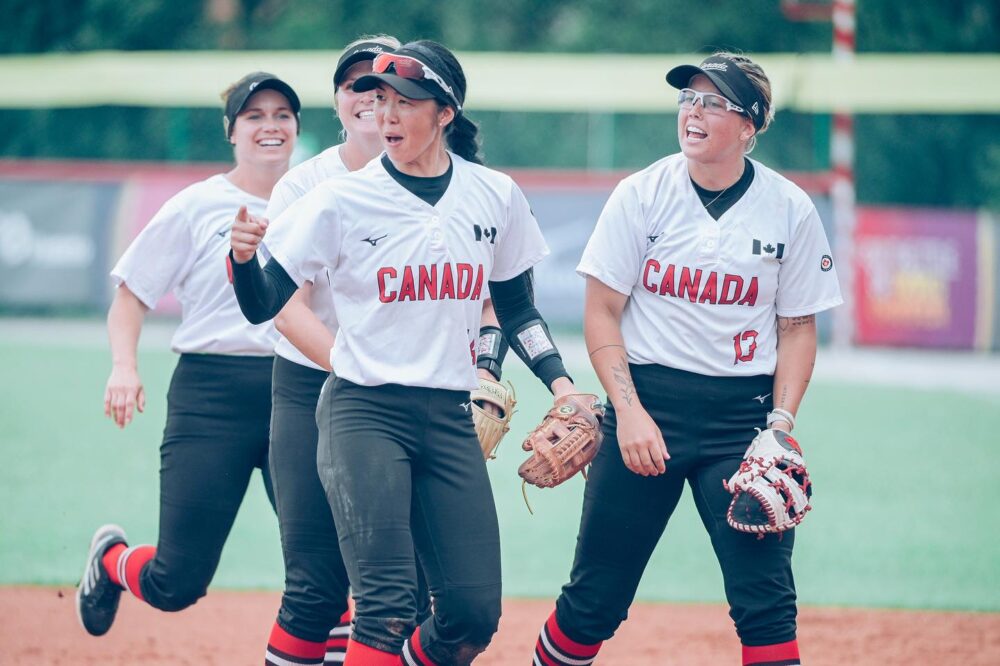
<point>915,281</point>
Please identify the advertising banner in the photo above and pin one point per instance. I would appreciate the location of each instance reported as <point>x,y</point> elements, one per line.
<point>916,277</point>
<point>54,243</point>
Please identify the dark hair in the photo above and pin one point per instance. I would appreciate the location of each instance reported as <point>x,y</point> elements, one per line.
<point>461,133</point>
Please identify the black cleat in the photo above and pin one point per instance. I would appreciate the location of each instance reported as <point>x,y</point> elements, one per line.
<point>97,596</point>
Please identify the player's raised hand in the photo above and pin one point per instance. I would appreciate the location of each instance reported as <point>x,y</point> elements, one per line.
<point>248,230</point>
<point>123,395</point>
<point>641,442</point>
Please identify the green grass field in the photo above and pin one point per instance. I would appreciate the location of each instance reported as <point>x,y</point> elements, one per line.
<point>906,504</point>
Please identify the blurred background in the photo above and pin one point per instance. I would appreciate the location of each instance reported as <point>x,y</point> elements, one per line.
<point>888,114</point>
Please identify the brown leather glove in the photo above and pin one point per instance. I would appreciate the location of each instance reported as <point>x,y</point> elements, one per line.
<point>565,442</point>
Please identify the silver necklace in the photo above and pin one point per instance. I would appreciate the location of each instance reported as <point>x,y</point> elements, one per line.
<point>718,196</point>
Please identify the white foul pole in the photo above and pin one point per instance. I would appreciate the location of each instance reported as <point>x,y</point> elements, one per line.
<point>842,191</point>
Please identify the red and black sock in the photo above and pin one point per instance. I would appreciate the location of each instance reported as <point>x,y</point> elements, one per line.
<point>413,652</point>
<point>359,654</point>
<point>779,654</point>
<point>336,643</point>
<point>124,565</point>
<point>284,649</point>
<point>554,648</point>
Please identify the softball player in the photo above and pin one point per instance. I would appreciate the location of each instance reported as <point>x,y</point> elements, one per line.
<point>410,242</point>
<point>219,402</point>
<point>704,275</point>
<point>313,623</point>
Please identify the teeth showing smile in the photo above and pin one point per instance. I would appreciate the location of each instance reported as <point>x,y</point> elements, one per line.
<point>696,133</point>
<point>366,115</point>
<point>271,142</point>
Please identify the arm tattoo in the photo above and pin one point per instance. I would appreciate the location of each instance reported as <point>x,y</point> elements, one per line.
<point>624,378</point>
<point>784,323</point>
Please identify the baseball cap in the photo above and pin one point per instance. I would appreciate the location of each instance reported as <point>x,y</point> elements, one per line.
<point>253,83</point>
<point>729,79</point>
<point>418,88</point>
<point>357,53</point>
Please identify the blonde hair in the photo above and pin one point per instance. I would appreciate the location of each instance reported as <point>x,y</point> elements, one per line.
<point>760,81</point>
<point>384,40</point>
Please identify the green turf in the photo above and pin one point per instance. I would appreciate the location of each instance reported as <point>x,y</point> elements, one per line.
<point>905,506</point>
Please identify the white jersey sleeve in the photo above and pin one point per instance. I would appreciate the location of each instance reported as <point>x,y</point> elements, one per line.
<point>521,244</point>
<point>285,193</point>
<point>159,257</point>
<point>617,246</point>
<point>306,238</point>
<point>807,279</point>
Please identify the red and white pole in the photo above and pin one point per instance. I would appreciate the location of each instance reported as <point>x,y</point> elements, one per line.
<point>842,191</point>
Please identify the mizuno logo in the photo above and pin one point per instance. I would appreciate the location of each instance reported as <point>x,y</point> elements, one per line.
<point>721,66</point>
<point>761,398</point>
<point>373,241</point>
<point>652,239</point>
<point>465,405</point>
<point>222,234</point>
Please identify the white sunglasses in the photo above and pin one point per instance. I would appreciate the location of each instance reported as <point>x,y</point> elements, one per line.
<point>710,102</point>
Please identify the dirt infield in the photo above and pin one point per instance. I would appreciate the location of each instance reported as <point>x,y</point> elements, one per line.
<point>39,626</point>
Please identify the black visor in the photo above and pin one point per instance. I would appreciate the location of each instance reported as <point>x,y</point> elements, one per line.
<point>729,79</point>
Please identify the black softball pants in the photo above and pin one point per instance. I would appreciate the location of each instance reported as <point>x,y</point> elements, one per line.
<point>316,583</point>
<point>217,432</point>
<point>403,470</point>
<point>707,423</point>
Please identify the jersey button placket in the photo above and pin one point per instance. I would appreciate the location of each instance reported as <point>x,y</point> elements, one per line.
<point>711,239</point>
<point>434,232</point>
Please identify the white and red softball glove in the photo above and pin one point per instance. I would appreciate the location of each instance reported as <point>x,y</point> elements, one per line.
<point>771,489</point>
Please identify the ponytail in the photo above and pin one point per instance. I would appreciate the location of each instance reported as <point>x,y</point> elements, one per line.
<point>463,140</point>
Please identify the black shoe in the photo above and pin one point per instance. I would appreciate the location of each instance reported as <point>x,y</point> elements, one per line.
<point>97,596</point>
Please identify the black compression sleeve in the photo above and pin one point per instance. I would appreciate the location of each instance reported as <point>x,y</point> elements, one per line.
<point>261,292</point>
<point>513,302</point>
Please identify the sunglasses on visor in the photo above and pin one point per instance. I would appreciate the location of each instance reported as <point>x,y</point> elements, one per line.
<point>411,68</point>
<point>710,102</point>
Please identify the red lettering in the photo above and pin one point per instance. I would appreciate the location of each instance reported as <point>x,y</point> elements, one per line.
<point>654,266</point>
<point>667,286</point>
<point>689,284</point>
<point>428,278</point>
<point>745,344</point>
<point>464,280</point>
<point>407,290</point>
<point>708,293</point>
<point>477,290</point>
<point>750,298</point>
<point>447,283</point>
<point>383,273</point>
<point>733,284</point>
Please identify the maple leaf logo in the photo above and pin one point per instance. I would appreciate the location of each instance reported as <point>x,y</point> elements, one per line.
<point>768,248</point>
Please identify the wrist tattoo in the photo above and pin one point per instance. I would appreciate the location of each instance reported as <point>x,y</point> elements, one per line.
<point>624,378</point>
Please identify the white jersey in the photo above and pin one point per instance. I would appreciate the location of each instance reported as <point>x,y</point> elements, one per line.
<point>184,249</point>
<point>705,294</point>
<point>290,188</point>
<point>408,278</point>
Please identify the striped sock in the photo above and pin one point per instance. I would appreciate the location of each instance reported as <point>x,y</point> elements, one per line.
<point>779,654</point>
<point>336,643</point>
<point>283,649</point>
<point>124,565</point>
<point>413,651</point>
<point>359,654</point>
<point>554,648</point>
